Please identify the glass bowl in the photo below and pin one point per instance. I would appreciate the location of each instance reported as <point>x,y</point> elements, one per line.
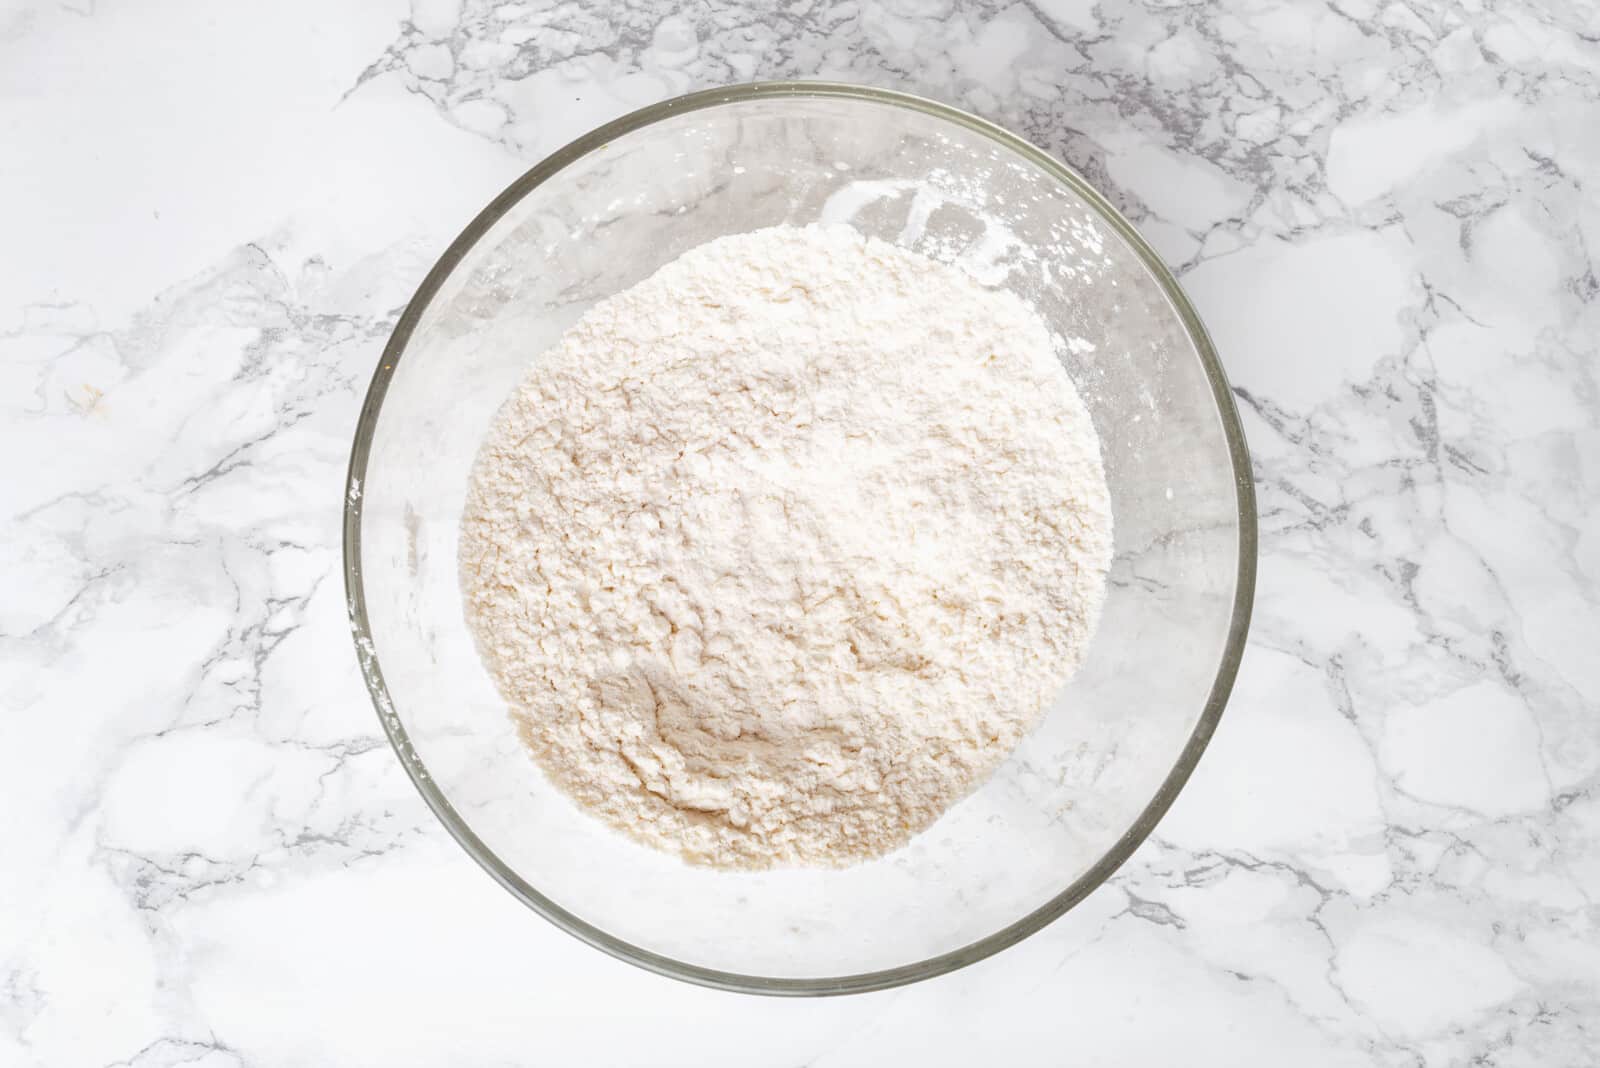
<point>1080,793</point>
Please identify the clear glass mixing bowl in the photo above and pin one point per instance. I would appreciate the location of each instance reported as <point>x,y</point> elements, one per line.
<point>1079,794</point>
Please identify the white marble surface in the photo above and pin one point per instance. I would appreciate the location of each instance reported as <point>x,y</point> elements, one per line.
<point>210,216</point>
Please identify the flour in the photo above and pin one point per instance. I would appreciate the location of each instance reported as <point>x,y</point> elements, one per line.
<point>780,552</point>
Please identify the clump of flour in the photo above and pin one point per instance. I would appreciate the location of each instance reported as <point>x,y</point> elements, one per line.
<point>778,553</point>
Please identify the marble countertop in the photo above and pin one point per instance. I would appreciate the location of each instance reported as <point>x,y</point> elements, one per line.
<point>1387,211</point>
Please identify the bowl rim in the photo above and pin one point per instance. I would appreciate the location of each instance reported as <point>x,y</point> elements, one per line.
<point>1075,892</point>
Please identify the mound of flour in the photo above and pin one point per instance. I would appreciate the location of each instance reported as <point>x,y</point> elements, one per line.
<point>778,553</point>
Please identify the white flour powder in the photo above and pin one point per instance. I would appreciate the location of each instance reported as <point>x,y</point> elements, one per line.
<point>778,553</point>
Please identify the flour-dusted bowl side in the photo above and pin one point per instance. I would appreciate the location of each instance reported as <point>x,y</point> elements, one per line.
<point>1081,790</point>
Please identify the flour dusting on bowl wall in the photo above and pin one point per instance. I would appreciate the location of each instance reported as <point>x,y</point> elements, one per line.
<point>1110,749</point>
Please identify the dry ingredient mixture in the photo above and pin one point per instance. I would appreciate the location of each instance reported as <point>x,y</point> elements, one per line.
<point>781,551</point>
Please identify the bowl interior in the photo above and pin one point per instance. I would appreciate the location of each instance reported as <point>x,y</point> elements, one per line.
<point>1077,795</point>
